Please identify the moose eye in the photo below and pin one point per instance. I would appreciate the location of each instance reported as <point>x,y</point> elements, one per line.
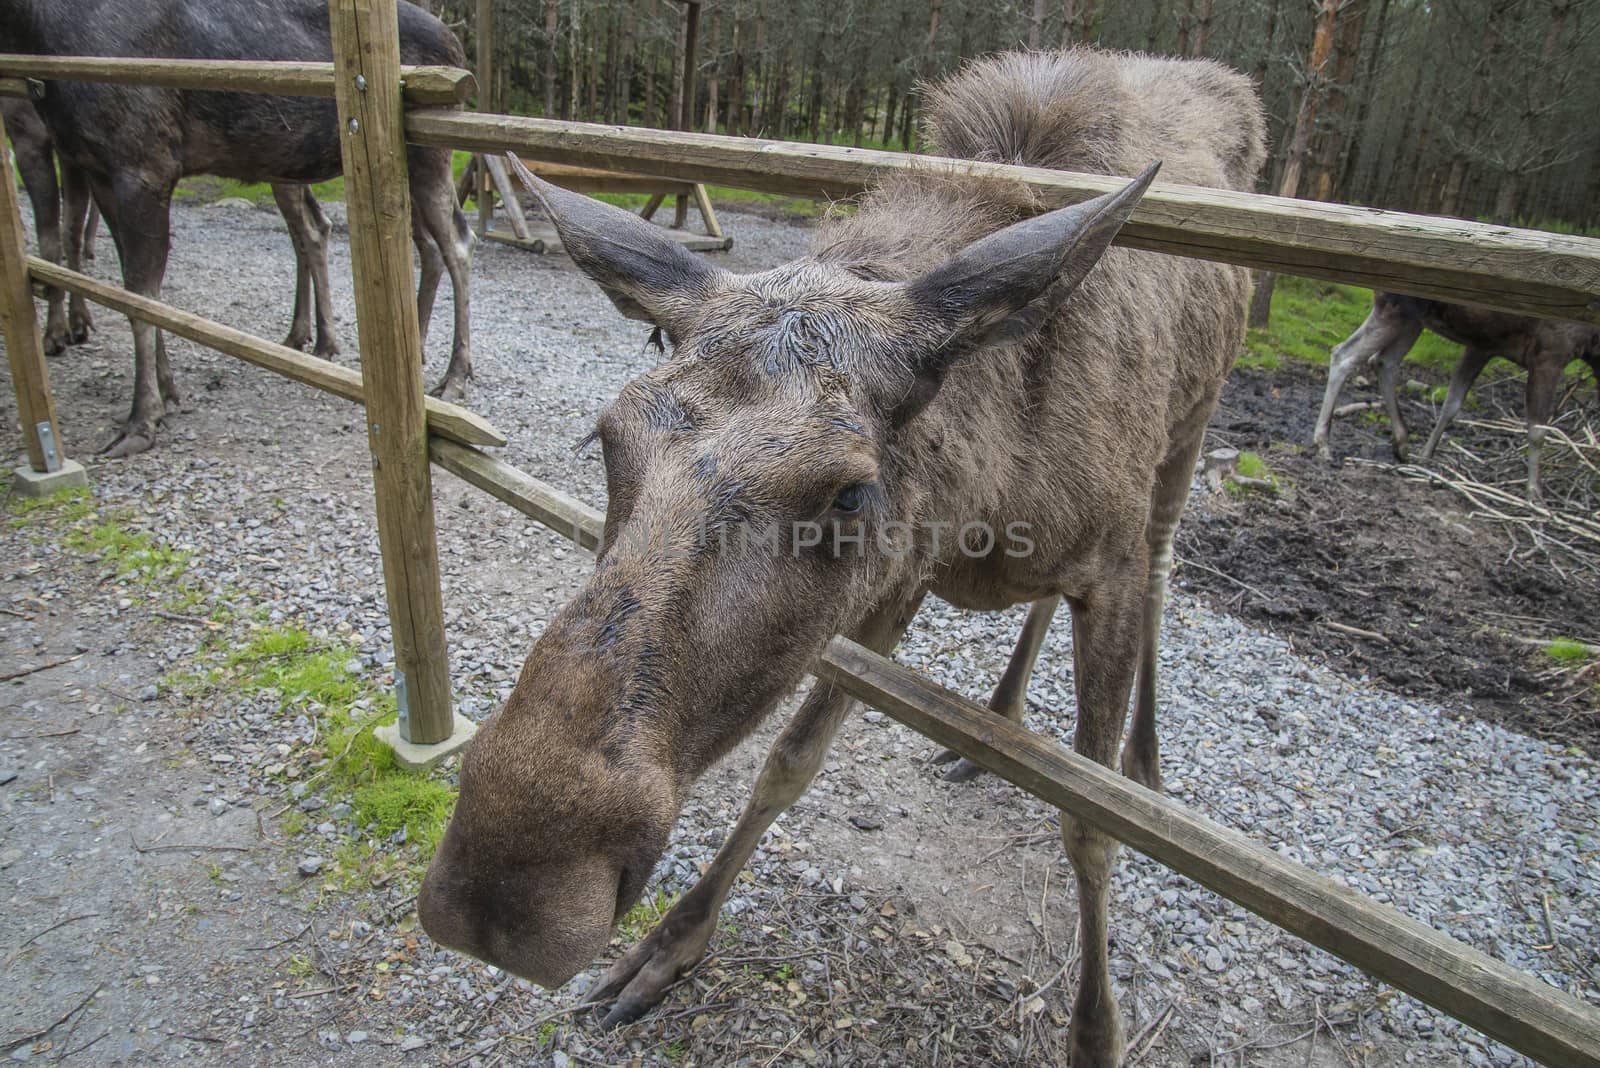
<point>850,500</point>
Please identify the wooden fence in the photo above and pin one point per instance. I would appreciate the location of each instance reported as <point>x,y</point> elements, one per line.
<point>1517,270</point>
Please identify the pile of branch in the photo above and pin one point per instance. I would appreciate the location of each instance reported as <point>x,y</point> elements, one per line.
<point>1564,535</point>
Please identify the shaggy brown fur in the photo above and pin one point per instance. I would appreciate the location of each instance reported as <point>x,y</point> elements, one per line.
<point>924,367</point>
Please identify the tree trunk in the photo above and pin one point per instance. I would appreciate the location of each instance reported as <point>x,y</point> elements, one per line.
<point>1321,47</point>
<point>1337,133</point>
<point>552,16</point>
<point>575,31</point>
<point>714,39</point>
<point>1267,37</point>
<point>1184,22</point>
<point>1202,27</point>
<point>1036,26</point>
<point>1368,82</point>
<point>675,103</point>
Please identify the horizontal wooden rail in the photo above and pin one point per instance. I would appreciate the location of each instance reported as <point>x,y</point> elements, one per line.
<point>424,86</point>
<point>1526,271</point>
<point>562,513</point>
<point>1497,999</point>
<point>1478,990</point>
<point>447,420</point>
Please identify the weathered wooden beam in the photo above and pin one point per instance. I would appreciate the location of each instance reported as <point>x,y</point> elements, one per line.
<point>562,513</point>
<point>508,195</point>
<point>1526,271</point>
<point>1502,1002</point>
<point>366,55</point>
<point>449,420</point>
<point>30,376</point>
<point>15,87</point>
<point>423,86</point>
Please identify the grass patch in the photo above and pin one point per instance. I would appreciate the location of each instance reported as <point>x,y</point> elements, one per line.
<point>134,553</point>
<point>1310,317</point>
<point>322,679</point>
<point>643,917</point>
<point>1567,651</point>
<point>1252,474</point>
<point>70,505</point>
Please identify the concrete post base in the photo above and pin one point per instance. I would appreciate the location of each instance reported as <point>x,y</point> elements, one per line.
<point>31,483</point>
<point>420,757</point>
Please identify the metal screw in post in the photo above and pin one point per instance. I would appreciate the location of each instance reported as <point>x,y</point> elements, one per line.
<point>361,83</point>
<point>355,126</point>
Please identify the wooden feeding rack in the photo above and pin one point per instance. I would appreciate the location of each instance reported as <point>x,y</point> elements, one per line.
<point>487,178</point>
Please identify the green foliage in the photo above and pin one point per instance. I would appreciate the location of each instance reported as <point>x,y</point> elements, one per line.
<point>1251,466</point>
<point>287,660</point>
<point>392,801</point>
<point>133,552</point>
<point>1568,651</point>
<point>643,917</point>
<point>70,505</point>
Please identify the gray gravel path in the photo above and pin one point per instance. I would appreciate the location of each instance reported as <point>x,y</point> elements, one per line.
<point>1489,836</point>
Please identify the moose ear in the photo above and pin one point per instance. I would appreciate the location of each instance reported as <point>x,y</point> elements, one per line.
<point>647,276</point>
<point>1002,287</point>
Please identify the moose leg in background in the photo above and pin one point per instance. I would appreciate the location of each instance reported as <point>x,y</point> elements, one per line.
<point>308,231</point>
<point>1386,335</point>
<point>1544,379</point>
<point>137,212</point>
<point>1473,360</point>
<point>443,239</point>
<point>1105,625</point>
<point>642,976</point>
<point>81,219</point>
<point>1010,698</point>
<point>36,162</point>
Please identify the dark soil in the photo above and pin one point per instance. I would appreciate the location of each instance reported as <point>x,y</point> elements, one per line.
<point>1458,605</point>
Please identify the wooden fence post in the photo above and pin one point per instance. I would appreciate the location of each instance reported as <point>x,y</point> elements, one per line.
<point>366,51</point>
<point>47,470</point>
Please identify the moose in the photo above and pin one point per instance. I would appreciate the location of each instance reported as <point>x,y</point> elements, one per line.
<point>52,197</point>
<point>1543,347</point>
<point>948,354</point>
<point>133,144</point>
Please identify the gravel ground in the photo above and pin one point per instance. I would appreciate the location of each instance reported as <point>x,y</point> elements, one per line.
<point>888,916</point>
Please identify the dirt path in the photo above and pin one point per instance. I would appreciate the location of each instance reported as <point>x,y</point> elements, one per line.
<point>887,918</point>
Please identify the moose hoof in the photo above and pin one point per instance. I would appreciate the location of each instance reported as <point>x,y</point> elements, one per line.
<point>135,437</point>
<point>642,977</point>
<point>450,389</point>
<point>962,770</point>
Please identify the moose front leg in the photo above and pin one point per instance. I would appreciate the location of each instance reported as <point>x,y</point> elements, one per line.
<point>1010,698</point>
<point>640,979</point>
<point>1105,644</point>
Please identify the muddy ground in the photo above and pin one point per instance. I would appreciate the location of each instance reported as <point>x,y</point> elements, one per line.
<point>1455,605</point>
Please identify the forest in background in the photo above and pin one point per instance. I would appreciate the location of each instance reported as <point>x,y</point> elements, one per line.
<point>1477,108</point>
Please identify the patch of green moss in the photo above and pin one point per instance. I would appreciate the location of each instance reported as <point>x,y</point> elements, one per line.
<point>70,505</point>
<point>643,917</point>
<point>1567,651</point>
<point>134,553</point>
<point>1251,466</point>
